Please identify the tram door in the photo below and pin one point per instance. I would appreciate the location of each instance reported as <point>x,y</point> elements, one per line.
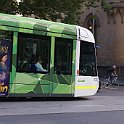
<point>33,65</point>
<point>62,75</point>
<point>5,61</point>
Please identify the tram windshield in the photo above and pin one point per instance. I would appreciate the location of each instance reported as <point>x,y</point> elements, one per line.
<point>87,65</point>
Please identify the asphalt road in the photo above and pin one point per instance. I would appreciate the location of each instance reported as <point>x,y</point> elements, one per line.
<point>106,107</point>
<point>109,117</point>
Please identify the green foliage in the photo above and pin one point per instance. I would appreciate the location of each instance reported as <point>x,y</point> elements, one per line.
<point>64,10</point>
<point>8,6</point>
<point>106,5</point>
<point>91,3</point>
<point>67,11</point>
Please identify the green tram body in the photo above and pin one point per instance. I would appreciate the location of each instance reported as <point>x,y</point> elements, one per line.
<point>25,83</point>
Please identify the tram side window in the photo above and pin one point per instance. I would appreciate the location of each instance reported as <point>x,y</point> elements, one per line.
<point>63,56</point>
<point>33,53</point>
<point>87,65</point>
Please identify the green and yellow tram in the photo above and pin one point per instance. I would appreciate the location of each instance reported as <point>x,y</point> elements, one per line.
<point>40,58</point>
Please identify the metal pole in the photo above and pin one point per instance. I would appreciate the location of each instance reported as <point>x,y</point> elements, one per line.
<point>93,23</point>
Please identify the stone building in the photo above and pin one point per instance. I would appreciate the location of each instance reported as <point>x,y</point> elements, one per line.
<point>108,29</point>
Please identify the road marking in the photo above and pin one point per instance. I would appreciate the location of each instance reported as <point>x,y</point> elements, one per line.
<point>87,105</point>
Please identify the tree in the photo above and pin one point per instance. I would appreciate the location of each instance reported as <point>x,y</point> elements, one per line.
<point>8,6</point>
<point>67,11</point>
<point>64,10</point>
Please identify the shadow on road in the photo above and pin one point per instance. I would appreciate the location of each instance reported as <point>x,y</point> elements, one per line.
<point>22,99</point>
<point>101,92</point>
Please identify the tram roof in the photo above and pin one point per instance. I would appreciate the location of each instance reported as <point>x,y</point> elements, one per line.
<point>36,24</point>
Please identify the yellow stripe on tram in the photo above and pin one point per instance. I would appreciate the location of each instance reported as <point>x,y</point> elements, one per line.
<point>85,87</point>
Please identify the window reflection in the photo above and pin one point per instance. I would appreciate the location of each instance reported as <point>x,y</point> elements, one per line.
<point>63,56</point>
<point>33,53</point>
<point>87,66</point>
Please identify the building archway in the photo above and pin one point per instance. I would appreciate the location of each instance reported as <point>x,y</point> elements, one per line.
<point>92,23</point>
